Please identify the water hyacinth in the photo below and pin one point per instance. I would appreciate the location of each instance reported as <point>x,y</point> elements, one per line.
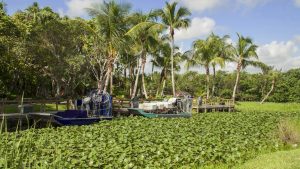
<point>145,143</point>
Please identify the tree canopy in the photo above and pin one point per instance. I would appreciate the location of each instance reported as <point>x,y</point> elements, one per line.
<point>129,54</point>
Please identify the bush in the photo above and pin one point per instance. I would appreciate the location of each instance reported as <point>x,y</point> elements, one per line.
<point>289,132</point>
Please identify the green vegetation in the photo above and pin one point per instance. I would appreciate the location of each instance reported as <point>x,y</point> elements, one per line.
<point>268,107</point>
<point>46,55</point>
<point>278,160</point>
<point>212,139</point>
<point>36,108</point>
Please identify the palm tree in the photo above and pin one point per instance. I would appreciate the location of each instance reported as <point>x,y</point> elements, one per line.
<point>145,34</point>
<point>174,18</point>
<point>244,51</point>
<point>161,59</point>
<point>222,52</point>
<point>32,11</point>
<point>201,55</point>
<point>111,18</point>
<point>206,53</point>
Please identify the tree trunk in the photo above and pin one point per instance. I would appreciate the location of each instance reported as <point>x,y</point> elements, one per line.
<point>99,84</point>
<point>207,81</point>
<point>157,91</point>
<point>172,62</point>
<point>214,82</point>
<point>143,76</point>
<point>238,71</point>
<point>264,86</point>
<point>163,87</point>
<point>53,92</point>
<point>108,73</point>
<point>268,94</point>
<point>152,71</point>
<point>131,79</point>
<point>136,80</point>
<point>58,87</point>
<point>111,82</point>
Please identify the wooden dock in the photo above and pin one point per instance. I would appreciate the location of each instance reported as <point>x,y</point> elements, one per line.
<point>22,116</point>
<point>214,108</point>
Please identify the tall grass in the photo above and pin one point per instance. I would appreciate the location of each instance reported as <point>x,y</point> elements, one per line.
<point>289,132</point>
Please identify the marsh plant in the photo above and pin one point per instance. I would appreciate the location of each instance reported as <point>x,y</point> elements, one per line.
<point>289,132</point>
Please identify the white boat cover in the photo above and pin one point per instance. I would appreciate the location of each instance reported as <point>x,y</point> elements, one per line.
<point>158,105</point>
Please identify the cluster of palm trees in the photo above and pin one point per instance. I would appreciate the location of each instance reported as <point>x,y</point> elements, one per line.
<point>125,36</point>
<point>215,50</point>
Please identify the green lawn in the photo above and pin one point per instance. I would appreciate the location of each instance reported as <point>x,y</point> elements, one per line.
<point>36,108</point>
<point>277,160</point>
<point>268,107</point>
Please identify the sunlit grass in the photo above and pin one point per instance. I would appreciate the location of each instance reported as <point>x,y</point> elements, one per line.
<point>268,107</point>
<point>277,160</point>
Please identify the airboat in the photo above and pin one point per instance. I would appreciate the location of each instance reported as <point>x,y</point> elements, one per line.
<point>172,108</point>
<point>94,108</point>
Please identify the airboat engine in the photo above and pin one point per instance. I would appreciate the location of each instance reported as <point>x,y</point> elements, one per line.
<point>98,103</point>
<point>184,104</point>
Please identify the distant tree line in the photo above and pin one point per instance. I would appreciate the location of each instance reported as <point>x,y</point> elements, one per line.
<point>47,55</point>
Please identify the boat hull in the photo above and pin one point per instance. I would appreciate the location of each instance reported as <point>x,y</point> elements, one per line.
<point>76,117</point>
<point>140,112</point>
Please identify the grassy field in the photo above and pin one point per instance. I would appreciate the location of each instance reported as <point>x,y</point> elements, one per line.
<point>268,107</point>
<point>278,160</point>
<point>36,108</point>
<point>245,139</point>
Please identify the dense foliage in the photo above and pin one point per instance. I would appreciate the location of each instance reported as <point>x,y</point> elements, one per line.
<point>47,55</point>
<point>252,87</point>
<point>146,143</point>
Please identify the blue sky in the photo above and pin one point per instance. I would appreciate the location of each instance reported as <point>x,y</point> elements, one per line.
<point>274,25</point>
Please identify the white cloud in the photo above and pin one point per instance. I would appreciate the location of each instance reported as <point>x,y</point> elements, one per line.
<point>297,39</point>
<point>201,5</point>
<point>297,3</point>
<point>198,27</point>
<point>282,55</point>
<point>77,8</point>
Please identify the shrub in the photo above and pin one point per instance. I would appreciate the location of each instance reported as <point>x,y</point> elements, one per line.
<point>289,132</point>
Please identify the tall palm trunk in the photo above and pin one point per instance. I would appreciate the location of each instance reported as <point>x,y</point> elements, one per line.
<point>238,72</point>
<point>268,94</point>
<point>144,59</point>
<point>136,80</point>
<point>207,81</point>
<point>131,79</point>
<point>162,78</point>
<point>214,81</point>
<point>172,61</point>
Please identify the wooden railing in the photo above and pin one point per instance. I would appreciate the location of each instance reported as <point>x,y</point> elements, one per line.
<point>117,103</point>
<point>15,103</point>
